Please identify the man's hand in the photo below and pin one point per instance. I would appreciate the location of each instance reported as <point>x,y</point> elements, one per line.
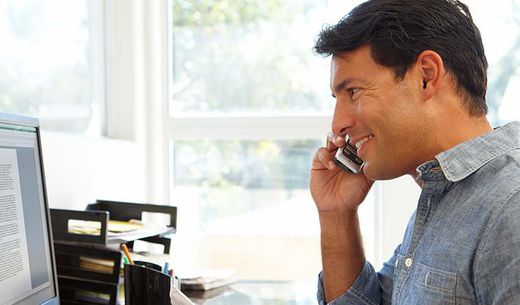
<point>337,195</point>
<point>332,188</point>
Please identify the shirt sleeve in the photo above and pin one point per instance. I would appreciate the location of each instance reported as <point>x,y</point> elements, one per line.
<point>497,264</point>
<point>369,288</point>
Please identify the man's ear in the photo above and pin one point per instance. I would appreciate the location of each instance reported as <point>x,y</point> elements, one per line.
<point>431,69</point>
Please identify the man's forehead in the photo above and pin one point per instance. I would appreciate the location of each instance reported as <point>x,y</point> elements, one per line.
<point>340,60</point>
<point>342,67</point>
<point>355,66</point>
<point>361,55</point>
<point>357,63</point>
<point>344,56</point>
<point>346,65</point>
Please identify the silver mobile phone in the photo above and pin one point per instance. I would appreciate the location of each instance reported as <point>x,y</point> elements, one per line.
<point>347,159</point>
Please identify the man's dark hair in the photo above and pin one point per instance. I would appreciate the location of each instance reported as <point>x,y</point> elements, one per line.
<point>397,31</point>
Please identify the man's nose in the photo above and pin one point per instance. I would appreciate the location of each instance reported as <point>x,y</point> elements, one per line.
<point>343,119</point>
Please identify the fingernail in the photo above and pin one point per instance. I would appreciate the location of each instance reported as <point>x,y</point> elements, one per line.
<point>330,135</point>
<point>332,165</point>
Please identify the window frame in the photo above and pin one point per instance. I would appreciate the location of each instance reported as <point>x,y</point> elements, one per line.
<point>146,39</point>
<point>155,127</point>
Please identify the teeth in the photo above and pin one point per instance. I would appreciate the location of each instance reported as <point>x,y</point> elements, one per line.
<point>363,141</point>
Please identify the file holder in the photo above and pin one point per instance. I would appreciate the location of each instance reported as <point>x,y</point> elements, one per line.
<point>126,211</point>
<point>81,287</point>
<point>60,226</point>
<point>146,285</point>
<point>82,279</point>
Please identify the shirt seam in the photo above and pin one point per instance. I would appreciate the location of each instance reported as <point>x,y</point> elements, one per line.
<point>361,296</point>
<point>493,222</point>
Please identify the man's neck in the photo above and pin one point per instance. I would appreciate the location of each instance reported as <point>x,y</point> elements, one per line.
<point>450,134</point>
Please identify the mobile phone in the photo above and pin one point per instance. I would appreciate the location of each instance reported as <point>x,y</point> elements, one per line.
<point>347,159</point>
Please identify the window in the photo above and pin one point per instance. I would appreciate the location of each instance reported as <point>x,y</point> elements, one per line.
<point>262,48</point>
<point>51,62</point>
<point>248,105</point>
<point>502,54</point>
<point>246,184</point>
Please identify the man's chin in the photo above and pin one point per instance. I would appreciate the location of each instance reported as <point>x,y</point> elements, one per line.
<point>374,172</point>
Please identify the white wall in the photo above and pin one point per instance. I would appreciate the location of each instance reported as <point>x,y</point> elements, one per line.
<point>80,169</point>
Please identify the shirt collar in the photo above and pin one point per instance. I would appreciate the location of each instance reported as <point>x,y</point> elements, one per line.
<point>464,159</point>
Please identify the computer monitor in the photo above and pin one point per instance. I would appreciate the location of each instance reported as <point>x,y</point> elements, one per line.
<point>27,267</point>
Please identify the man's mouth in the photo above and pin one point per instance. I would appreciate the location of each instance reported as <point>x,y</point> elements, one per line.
<point>360,143</point>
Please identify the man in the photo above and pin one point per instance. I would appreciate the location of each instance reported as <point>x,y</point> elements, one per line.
<point>409,79</point>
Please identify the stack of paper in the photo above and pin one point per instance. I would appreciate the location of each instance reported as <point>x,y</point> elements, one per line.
<point>96,264</point>
<point>208,279</point>
<point>117,226</point>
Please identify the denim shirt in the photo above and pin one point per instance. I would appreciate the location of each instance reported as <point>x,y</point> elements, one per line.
<point>462,244</point>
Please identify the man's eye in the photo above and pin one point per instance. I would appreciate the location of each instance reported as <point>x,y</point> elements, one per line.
<point>352,91</point>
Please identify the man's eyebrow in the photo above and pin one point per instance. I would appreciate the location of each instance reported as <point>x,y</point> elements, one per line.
<point>340,86</point>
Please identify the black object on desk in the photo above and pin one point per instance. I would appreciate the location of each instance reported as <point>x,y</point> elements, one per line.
<point>61,230</point>
<point>86,274</point>
<point>126,211</point>
<point>146,284</point>
<point>88,265</point>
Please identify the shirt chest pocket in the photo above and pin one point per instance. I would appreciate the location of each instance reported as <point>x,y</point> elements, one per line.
<point>431,286</point>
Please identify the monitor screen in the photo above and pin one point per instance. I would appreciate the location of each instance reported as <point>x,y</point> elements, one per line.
<point>27,268</point>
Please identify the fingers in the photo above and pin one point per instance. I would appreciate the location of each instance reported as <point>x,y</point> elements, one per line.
<point>324,159</point>
<point>334,141</point>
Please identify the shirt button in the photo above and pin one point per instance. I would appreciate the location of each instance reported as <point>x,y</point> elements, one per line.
<point>408,262</point>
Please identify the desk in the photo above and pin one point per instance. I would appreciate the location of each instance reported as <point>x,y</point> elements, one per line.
<point>259,293</point>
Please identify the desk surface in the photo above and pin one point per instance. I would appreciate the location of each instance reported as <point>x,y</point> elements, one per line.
<point>258,293</point>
